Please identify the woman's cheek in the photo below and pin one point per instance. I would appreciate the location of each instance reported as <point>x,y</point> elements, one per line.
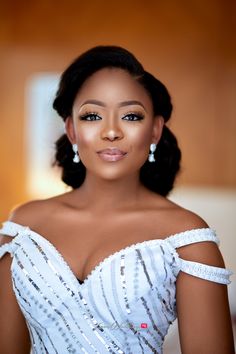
<point>86,137</point>
<point>140,138</point>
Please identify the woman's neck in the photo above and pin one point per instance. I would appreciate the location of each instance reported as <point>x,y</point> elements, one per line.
<point>102,195</point>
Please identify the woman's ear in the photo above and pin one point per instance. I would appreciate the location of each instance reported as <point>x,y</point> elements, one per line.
<point>69,128</point>
<point>157,128</point>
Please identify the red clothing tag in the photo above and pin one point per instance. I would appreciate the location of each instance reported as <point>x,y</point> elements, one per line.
<point>143,325</point>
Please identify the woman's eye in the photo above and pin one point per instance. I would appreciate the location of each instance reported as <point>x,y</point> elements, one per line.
<point>133,116</point>
<point>90,116</point>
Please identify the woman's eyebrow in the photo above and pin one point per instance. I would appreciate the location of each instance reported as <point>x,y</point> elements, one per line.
<point>131,102</point>
<point>120,104</point>
<point>98,103</point>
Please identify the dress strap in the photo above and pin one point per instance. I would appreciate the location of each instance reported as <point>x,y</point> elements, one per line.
<point>192,236</point>
<point>9,247</point>
<point>200,270</point>
<point>207,272</point>
<point>10,228</point>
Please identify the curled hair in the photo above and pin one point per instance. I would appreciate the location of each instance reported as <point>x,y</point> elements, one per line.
<point>158,176</point>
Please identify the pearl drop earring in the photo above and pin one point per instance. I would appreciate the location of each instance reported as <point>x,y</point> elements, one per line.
<point>76,158</point>
<point>151,157</point>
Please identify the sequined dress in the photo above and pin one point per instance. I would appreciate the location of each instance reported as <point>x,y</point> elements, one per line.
<point>125,305</point>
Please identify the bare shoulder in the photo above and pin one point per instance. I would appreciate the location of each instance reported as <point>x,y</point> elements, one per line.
<point>19,214</point>
<point>177,220</point>
<point>33,212</point>
<point>206,252</point>
<point>181,219</point>
<point>27,213</point>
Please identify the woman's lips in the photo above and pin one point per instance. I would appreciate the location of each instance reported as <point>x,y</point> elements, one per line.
<point>111,154</point>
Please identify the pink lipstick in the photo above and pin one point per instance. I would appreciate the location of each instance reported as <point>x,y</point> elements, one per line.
<point>111,154</point>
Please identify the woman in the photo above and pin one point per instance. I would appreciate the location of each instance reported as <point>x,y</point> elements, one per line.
<point>107,266</point>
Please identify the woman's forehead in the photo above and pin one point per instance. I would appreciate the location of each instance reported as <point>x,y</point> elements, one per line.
<point>112,85</point>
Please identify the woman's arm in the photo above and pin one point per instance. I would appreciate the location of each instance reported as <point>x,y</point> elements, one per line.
<point>14,334</point>
<point>203,310</point>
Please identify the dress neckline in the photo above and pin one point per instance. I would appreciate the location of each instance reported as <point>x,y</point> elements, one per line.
<point>82,283</point>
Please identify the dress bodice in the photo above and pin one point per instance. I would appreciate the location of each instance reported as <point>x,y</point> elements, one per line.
<point>125,305</point>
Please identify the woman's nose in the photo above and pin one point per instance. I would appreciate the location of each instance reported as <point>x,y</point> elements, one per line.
<point>111,131</point>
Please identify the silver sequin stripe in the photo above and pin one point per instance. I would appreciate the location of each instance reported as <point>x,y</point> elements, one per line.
<point>32,339</point>
<point>160,297</point>
<point>153,300</point>
<point>105,299</point>
<point>52,290</point>
<point>58,297</point>
<point>136,277</point>
<point>124,287</point>
<point>78,301</point>
<point>28,315</point>
<point>34,346</point>
<point>131,327</point>
<point>114,278</point>
<point>58,313</point>
<point>166,284</point>
<point>168,306</point>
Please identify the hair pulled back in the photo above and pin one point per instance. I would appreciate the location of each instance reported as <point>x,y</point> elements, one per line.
<point>158,176</point>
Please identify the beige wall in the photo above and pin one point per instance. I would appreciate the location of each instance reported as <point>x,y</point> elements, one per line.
<point>189,45</point>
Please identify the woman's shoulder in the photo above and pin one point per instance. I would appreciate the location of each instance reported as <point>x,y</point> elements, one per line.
<point>176,217</point>
<point>177,221</point>
<point>186,221</point>
<point>33,211</point>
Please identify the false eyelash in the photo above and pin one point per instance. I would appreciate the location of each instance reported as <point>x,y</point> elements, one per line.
<point>87,114</point>
<point>139,115</point>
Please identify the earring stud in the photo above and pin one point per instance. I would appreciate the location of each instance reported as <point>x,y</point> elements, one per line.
<point>76,158</point>
<point>151,157</point>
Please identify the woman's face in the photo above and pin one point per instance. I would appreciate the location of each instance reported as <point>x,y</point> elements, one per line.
<point>112,110</point>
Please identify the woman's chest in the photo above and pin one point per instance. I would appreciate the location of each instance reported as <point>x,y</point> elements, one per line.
<point>85,244</point>
<point>136,281</point>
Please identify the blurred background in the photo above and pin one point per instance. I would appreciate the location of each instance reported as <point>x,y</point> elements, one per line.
<point>188,45</point>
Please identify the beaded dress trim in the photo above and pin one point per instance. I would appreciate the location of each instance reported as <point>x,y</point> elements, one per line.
<point>124,306</point>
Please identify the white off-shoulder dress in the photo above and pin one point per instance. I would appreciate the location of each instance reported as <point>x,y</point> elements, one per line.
<point>125,305</point>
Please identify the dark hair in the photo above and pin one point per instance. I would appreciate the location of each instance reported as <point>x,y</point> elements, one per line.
<point>158,176</point>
